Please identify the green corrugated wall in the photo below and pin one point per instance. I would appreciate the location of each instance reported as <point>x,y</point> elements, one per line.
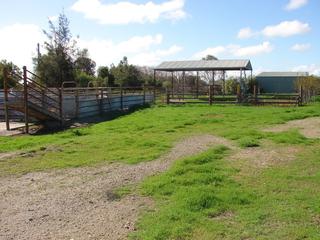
<point>277,84</point>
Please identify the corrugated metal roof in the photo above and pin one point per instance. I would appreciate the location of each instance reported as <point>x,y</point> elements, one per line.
<point>205,65</point>
<point>283,74</point>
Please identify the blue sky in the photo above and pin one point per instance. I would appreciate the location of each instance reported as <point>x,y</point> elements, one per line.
<point>277,35</point>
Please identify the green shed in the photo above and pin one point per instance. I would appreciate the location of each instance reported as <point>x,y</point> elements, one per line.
<point>279,82</point>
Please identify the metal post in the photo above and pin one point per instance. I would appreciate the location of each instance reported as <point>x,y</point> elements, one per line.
<point>6,98</point>
<point>77,103</point>
<point>121,97</point>
<point>144,94</point>
<point>101,101</point>
<point>25,92</point>
<point>61,106</point>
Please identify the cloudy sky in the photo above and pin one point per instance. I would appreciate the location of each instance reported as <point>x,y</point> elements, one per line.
<point>277,35</point>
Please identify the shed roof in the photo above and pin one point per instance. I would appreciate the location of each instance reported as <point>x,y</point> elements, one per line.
<point>205,65</point>
<point>283,74</point>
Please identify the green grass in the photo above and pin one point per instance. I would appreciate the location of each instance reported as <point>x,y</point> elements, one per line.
<point>200,197</point>
<point>195,190</point>
<point>146,134</point>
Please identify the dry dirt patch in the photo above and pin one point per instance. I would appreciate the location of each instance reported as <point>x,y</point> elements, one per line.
<point>267,155</point>
<point>75,203</point>
<point>309,127</point>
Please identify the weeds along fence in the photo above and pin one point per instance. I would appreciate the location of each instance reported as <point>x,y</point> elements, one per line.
<point>86,102</point>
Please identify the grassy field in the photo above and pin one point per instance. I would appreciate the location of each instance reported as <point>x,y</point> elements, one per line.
<point>201,197</point>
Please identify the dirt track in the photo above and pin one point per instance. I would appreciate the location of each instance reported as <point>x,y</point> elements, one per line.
<point>79,203</point>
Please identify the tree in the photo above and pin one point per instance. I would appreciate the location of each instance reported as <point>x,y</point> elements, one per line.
<point>105,77</point>
<point>231,86</point>
<point>57,65</point>
<point>210,58</point>
<point>83,63</point>
<point>125,74</point>
<point>10,68</point>
<point>83,79</point>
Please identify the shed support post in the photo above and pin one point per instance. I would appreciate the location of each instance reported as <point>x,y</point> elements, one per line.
<point>213,87</point>
<point>183,82</point>
<point>25,98</point>
<point>224,82</point>
<point>197,85</point>
<point>6,98</point>
<point>154,83</point>
<point>172,84</point>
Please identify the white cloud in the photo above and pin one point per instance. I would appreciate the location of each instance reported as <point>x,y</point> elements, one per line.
<point>138,50</point>
<point>153,58</point>
<point>301,47</point>
<point>236,50</point>
<point>312,69</point>
<point>286,29</point>
<point>18,43</point>
<point>254,50</point>
<point>126,12</point>
<point>295,4</point>
<point>246,33</point>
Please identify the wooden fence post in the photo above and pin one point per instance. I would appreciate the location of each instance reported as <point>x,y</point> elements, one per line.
<point>6,98</point>
<point>210,94</point>
<point>168,97</point>
<point>255,94</point>
<point>25,98</point>
<point>238,93</point>
<point>301,100</point>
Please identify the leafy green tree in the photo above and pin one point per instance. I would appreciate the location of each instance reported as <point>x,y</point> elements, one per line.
<point>85,80</point>
<point>125,74</point>
<point>83,62</point>
<point>231,86</point>
<point>10,67</point>
<point>105,76</point>
<point>57,65</point>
